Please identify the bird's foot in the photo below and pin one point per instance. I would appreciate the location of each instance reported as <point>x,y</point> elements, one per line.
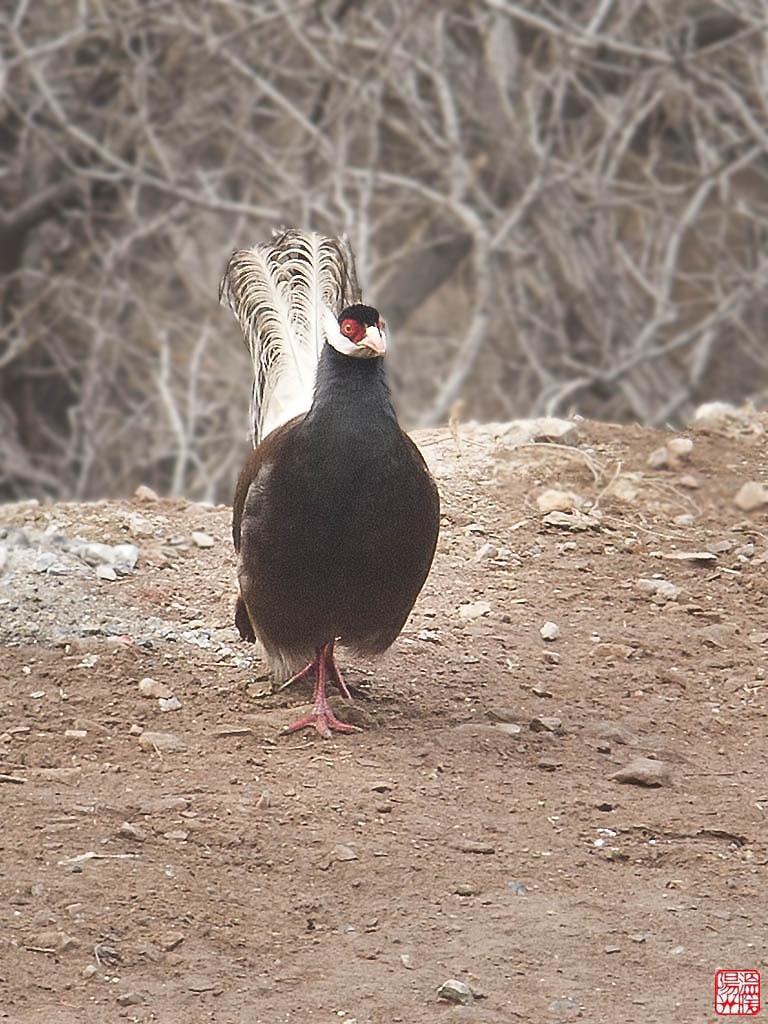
<point>323,719</point>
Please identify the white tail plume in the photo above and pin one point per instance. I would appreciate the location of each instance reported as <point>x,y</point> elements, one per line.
<point>280,291</point>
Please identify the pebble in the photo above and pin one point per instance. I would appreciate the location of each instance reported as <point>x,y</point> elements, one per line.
<point>106,572</point>
<point>169,703</point>
<point>130,999</point>
<point>717,415</point>
<point>518,888</point>
<point>473,846</point>
<point>453,991</point>
<point>129,830</point>
<point>149,687</point>
<point>574,520</point>
<point>686,519</point>
<point>550,631</point>
<point>474,610</point>
<point>644,771</point>
<point>202,540</point>
<point>659,458</point>
<point>546,723</point>
<point>485,552</point>
<point>659,590</point>
<point>60,942</point>
<point>752,495</point>
<point>553,500</point>
<point>564,1005</point>
<point>341,852</point>
<point>680,447</point>
<point>144,493</point>
<point>166,741</point>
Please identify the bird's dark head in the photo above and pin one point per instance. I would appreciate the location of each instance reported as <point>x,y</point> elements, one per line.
<point>358,332</point>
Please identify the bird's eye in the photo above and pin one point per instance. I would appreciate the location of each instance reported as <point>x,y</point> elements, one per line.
<point>351,329</point>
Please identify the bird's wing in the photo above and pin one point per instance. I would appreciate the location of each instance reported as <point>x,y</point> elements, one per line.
<point>278,291</point>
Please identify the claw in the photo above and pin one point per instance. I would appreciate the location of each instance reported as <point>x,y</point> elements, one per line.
<point>321,717</point>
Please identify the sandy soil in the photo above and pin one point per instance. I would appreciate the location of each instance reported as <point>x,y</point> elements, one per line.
<point>473,830</point>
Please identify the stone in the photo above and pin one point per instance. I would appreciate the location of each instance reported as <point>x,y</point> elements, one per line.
<point>659,590</point>
<point>149,687</point>
<point>553,500</point>
<point>202,540</point>
<point>550,631</point>
<point>751,496</point>
<point>167,742</point>
<point>643,771</point>
<point>680,448</point>
<point>474,610</point>
<point>453,991</point>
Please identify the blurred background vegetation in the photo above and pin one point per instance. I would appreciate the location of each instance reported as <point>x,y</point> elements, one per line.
<point>558,205</point>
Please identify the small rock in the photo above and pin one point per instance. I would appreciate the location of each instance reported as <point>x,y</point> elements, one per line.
<point>692,556</point>
<point>167,742</point>
<point>170,940</point>
<point>106,572</point>
<point>477,528</point>
<point>485,552</point>
<point>144,493</point>
<point>3,558</point>
<point>95,553</point>
<point>612,949</point>
<point>169,703</point>
<point>690,482</point>
<point>464,890</point>
<point>453,991</point>
<point>149,687</point>
<point>474,610</point>
<point>659,590</point>
<point>546,723</point>
<point>75,734</point>
<point>128,830</point>
<point>718,415</point>
<point>58,942</point>
<point>342,853</point>
<point>644,771</point>
<point>575,520</point>
<point>125,558</point>
<point>518,888</point>
<point>548,764</point>
<point>564,1005</point>
<point>680,448</point>
<point>751,496</point>
<point>553,500</point>
<point>473,846</point>
<point>202,540</point>
<point>510,728</point>
<point>129,999</point>
<point>686,519</point>
<point>550,631</point>
<point>89,970</point>
<point>659,458</point>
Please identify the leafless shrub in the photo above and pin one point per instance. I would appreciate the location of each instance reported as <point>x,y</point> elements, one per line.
<point>556,206</point>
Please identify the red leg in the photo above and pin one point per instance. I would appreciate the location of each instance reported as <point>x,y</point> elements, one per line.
<point>333,670</point>
<point>321,716</point>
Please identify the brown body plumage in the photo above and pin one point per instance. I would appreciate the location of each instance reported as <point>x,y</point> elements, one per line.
<point>335,519</point>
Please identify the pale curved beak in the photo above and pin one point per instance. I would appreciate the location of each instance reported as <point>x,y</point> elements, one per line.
<point>375,341</point>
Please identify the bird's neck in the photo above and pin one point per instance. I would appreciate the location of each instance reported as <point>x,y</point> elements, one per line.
<point>351,394</point>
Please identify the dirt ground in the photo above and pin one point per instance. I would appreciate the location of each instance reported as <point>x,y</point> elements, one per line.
<point>472,830</point>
